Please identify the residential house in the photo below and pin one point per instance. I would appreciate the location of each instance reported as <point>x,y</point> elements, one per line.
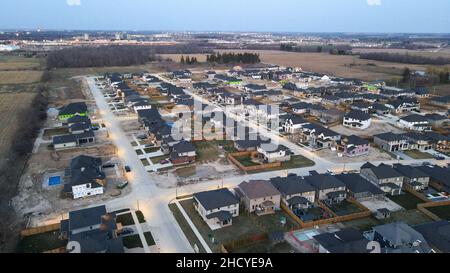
<point>399,237</point>
<point>259,196</point>
<point>384,176</point>
<point>73,140</point>
<point>319,137</point>
<point>296,193</point>
<point>441,101</point>
<point>361,106</point>
<point>360,188</point>
<point>437,120</point>
<point>183,153</point>
<point>391,142</point>
<point>403,105</point>
<point>274,95</point>
<point>217,207</point>
<point>328,188</point>
<point>380,109</point>
<point>72,109</point>
<point>354,146</point>
<point>415,123</point>
<point>413,176</point>
<point>418,141</point>
<point>439,177</point>
<point>357,119</point>
<point>329,116</point>
<point>93,230</point>
<point>274,153</point>
<point>437,235</point>
<point>293,124</point>
<point>85,177</point>
<point>347,240</point>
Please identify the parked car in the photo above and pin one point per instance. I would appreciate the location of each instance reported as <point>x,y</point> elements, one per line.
<point>122,185</point>
<point>439,157</point>
<point>165,161</point>
<point>127,169</point>
<point>143,136</point>
<point>108,165</point>
<point>150,145</point>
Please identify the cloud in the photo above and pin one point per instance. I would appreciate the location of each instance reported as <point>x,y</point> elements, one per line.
<point>374,2</point>
<point>73,2</point>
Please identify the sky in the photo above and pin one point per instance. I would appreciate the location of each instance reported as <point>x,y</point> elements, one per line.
<point>368,16</point>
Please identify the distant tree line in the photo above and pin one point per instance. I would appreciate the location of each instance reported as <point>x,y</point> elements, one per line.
<point>229,58</point>
<point>188,60</point>
<point>335,50</point>
<point>404,58</point>
<point>100,56</point>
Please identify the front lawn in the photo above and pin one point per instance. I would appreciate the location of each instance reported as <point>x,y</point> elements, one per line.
<point>132,241</point>
<point>416,154</point>
<point>145,162</point>
<point>140,216</point>
<point>157,160</point>
<point>151,150</point>
<point>149,238</point>
<point>125,219</point>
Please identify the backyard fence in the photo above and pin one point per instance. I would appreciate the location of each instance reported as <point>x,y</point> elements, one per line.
<point>424,208</point>
<point>232,158</point>
<point>417,194</point>
<point>358,215</point>
<point>243,242</point>
<point>41,229</point>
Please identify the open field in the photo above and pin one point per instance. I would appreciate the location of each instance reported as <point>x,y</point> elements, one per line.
<point>425,53</point>
<point>11,105</point>
<point>337,65</point>
<point>20,77</point>
<point>12,63</point>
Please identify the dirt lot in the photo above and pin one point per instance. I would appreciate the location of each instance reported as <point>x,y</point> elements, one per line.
<point>374,155</point>
<point>377,127</point>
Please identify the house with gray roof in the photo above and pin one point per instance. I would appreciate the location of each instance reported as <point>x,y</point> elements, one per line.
<point>360,188</point>
<point>399,237</point>
<point>391,142</point>
<point>415,122</point>
<point>94,230</point>
<point>259,196</point>
<point>437,235</point>
<point>328,188</point>
<point>217,207</point>
<point>296,193</point>
<point>347,240</point>
<point>439,177</point>
<point>384,176</point>
<point>413,176</point>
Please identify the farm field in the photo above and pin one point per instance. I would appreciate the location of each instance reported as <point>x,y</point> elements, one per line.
<point>336,65</point>
<point>11,105</point>
<point>13,63</point>
<point>20,77</point>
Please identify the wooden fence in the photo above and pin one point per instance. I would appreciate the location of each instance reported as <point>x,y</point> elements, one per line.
<point>417,194</point>
<point>232,158</point>
<point>424,208</point>
<point>243,242</point>
<point>358,215</point>
<point>38,230</point>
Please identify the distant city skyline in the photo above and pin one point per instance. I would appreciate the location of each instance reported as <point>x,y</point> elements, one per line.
<point>301,16</point>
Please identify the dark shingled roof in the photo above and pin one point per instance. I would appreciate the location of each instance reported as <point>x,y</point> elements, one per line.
<point>437,234</point>
<point>216,198</point>
<point>324,181</point>
<point>356,184</point>
<point>291,185</point>
<point>344,241</point>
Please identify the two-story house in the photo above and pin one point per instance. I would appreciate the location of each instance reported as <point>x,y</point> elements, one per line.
<point>328,188</point>
<point>259,196</point>
<point>357,119</point>
<point>296,193</point>
<point>413,176</point>
<point>384,176</point>
<point>217,207</point>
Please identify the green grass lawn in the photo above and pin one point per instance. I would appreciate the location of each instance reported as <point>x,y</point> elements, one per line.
<point>145,162</point>
<point>126,219</point>
<point>134,143</point>
<point>410,217</point>
<point>132,241</point>
<point>140,216</point>
<point>244,226</point>
<point>40,242</point>
<point>297,161</point>
<point>442,212</point>
<point>151,150</point>
<point>157,160</point>
<point>190,235</point>
<point>149,238</point>
<point>416,154</point>
<point>363,224</point>
<point>246,161</point>
<point>406,200</point>
<point>345,208</point>
<point>139,152</point>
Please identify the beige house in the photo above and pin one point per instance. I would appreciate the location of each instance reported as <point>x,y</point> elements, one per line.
<point>259,196</point>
